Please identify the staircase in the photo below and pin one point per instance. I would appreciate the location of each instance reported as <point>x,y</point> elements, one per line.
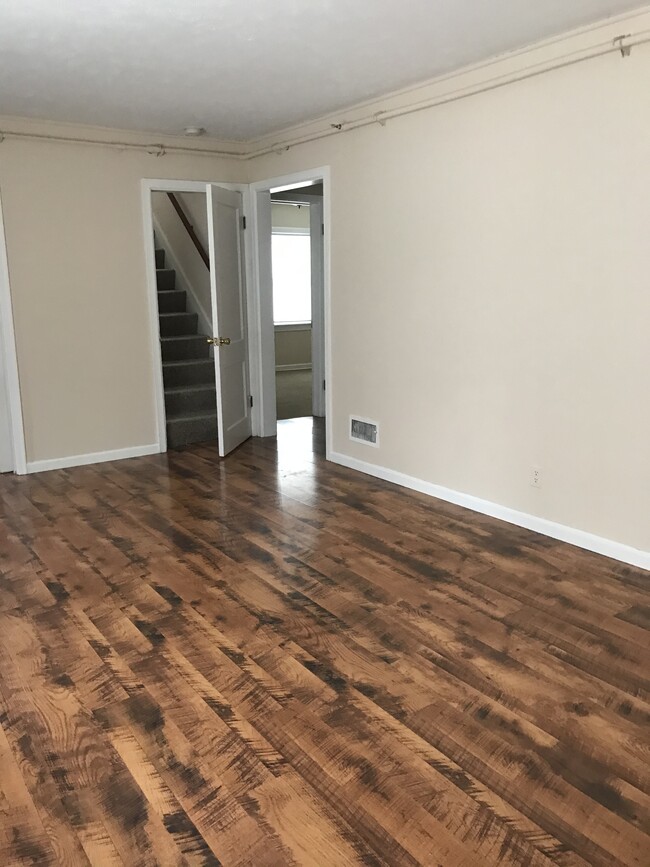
<point>188,368</point>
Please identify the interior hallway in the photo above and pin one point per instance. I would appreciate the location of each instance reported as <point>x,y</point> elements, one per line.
<point>273,660</point>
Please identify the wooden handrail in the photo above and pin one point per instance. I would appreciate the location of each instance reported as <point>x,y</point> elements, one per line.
<point>190,229</point>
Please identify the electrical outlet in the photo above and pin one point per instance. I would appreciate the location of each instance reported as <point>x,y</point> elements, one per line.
<point>536,477</point>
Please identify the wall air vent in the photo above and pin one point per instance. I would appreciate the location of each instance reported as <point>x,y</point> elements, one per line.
<point>364,431</point>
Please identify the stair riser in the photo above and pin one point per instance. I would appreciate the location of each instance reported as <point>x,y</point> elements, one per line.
<point>183,323</point>
<point>184,431</point>
<point>166,279</point>
<point>191,401</point>
<point>186,348</point>
<point>189,374</point>
<point>160,258</point>
<point>172,302</point>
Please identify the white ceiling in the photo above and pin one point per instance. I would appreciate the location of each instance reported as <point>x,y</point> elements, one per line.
<point>242,68</point>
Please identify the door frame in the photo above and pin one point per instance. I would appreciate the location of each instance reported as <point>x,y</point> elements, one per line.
<point>316,234</point>
<point>8,347</point>
<point>262,333</point>
<point>167,185</point>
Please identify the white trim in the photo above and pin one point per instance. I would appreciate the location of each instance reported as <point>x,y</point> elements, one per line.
<point>264,421</point>
<point>11,360</point>
<point>101,136</point>
<point>281,367</point>
<point>595,40</point>
<point>262,350</point>
<point>292,326</point>
<point>316,229</point>
<point>147,188</point>
<point>92,458</point>
<point>597,544</point>
<point>290,230</point>
<point>253,313</point>
<point>327,308</point>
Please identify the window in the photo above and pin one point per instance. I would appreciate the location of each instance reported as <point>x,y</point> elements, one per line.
<point>291,255</point>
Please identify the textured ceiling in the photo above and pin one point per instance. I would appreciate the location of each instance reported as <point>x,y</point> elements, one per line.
<point>242,68</point>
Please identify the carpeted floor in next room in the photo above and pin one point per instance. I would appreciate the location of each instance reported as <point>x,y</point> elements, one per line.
<point>293,393</point>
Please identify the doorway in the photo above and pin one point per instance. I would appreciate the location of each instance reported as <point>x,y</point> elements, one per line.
<point>291,269</point>
<point>199,329</point>
<point>180,236</point>
<point>292,303</point>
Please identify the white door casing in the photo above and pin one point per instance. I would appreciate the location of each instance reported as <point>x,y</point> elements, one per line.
<point>264,337</point>
<point>6,449</point>
<point>228,291</point>
<point>316,232</point>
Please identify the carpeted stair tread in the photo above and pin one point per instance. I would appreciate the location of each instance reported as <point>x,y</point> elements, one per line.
<point>198,386</point>
<point>188,369</point>
<point>193,415</point>
<point>178,324</point>
<point>184,346</point>
<point>185,337</point>
<point>194,397</point>
<point>165,279</point>
<point>172,301</point>
<point>187,361</point>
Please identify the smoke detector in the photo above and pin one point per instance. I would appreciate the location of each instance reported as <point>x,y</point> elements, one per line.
<point>194,131</point>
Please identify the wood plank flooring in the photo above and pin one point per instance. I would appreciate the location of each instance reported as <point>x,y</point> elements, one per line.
<point>271,661</point>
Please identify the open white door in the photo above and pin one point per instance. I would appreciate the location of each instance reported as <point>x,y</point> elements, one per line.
<point>228,317</point>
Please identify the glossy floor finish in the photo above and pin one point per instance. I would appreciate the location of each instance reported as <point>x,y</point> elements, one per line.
<point>271,660</point>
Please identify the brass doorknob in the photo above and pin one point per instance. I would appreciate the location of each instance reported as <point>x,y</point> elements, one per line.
<point>219,341</point>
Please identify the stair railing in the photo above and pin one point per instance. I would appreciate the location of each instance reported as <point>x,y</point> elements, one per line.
<point>190,229</point>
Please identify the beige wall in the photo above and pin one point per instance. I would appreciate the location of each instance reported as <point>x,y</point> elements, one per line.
<point>75,243</point>
<point>194,205</point>
<point>289,216</point>
<point>292,346</point>
<point>193,274</point>
<point>491,293</point>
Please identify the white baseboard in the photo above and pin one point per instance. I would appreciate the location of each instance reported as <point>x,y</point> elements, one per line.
<point>92,458</point>
<point>280,367</point>
<point>597,544</point>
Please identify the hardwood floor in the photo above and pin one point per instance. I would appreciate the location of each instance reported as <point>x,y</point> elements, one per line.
<point>271,660</point>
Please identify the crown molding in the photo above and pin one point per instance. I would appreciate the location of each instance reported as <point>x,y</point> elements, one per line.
<point>617,35</point>
<point>156,144</point>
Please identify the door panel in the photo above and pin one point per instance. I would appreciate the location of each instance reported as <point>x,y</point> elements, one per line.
<point>6,451</point>
<point>229,317</point>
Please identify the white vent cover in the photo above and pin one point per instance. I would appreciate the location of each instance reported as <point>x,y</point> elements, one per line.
<point>364,431</point>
